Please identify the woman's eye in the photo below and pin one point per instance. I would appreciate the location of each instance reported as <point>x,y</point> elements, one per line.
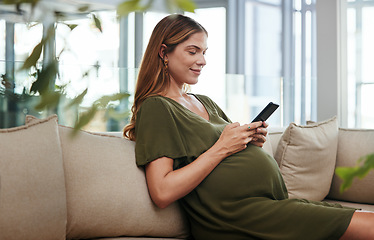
<point>192,53</point>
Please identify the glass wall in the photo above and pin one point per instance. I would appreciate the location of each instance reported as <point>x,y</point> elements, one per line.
<point>269,40</point>
<point>88,58</point>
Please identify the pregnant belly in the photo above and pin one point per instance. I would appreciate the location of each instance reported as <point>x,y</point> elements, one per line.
<point>249,173</point>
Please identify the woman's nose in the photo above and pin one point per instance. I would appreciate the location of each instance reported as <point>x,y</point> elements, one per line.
<point>201,61</point>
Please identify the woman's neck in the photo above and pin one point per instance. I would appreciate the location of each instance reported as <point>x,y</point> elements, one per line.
<point>175,91</point>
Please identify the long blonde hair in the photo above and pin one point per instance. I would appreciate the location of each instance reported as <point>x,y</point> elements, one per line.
<point>153,78</point>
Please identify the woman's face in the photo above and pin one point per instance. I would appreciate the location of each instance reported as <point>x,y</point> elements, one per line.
<point>187,60</point>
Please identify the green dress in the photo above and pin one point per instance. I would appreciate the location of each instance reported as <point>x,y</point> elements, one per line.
<point>244,197</point>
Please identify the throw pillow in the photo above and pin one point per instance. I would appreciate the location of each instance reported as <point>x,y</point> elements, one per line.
<point>353,144</point>
<point>32,183</point>
<point>107,194</point>
<point>306,157</point>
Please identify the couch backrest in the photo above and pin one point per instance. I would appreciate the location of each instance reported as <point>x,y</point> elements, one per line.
<point>107,194</point>
<point>353,144</point>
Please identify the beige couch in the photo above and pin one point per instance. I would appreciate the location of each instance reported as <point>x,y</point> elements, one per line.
<point>53,186</point>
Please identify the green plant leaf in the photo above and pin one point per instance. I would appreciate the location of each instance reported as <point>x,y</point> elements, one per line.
<point>71,26</point>
<point>97,22</point>
<point>364,165</point>
<point>49,100</point>
<point>85,118</point>
<point>116,115</point>
<point>45,78</point>
<point>5,81</point>
<point>101,103</point>
<point>186,5</point>
<point>34,56</point>
<point>78,100</point>
<point>36,52</point>
<point>104,101</point>
<point>127,7</point>
<point>84,8</point>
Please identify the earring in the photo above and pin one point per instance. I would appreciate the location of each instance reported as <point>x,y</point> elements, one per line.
<point>166,65</point>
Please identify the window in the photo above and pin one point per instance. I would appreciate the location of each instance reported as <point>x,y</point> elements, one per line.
<point>259,51</point>
<point>88,58</point>
<point>278,63</point>
<point>26,37</point>
<point>360,56</point>
<point>212,81</point>
<point>2,40</point>
<point>263,57</point>
<point>304,61</point>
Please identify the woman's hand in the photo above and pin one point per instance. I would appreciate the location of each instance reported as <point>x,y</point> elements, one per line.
<point>259,137</point>
<point>235,137</point>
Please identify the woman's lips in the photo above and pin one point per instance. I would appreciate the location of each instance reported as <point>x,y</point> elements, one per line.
<point>196,71</point>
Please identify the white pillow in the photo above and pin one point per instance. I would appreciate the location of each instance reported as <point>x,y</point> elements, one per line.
<point>307,156</point>
<point>32,182</point>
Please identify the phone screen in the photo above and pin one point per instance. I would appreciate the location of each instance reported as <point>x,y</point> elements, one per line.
<point>266,112</point>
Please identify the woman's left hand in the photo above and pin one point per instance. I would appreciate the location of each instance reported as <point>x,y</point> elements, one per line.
<point>259,137</point>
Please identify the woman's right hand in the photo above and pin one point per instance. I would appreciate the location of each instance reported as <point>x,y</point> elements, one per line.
<point>235,137</point>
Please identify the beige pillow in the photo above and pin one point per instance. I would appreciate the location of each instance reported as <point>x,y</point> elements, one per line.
<point>32,183</point>
<point>306,157</point>
<point>107,194</point>
<point>353,144</point>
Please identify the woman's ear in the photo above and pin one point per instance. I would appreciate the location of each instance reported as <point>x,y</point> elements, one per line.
<point>162,51</point>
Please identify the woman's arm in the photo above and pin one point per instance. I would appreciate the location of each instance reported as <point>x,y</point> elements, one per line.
<point>167,185</point>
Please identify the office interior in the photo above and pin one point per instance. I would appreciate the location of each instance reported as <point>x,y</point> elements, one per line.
<point>312,57</point>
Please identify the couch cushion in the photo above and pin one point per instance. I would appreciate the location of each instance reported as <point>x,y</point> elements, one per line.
<point>353,144</point>
<point>267,147</point>
<point>273,137</point>
<point>32,183</point>
<point>306,157</point>
<point>107,194</point>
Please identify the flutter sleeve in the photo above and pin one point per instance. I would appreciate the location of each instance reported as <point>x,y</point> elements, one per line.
<point>157,133</point>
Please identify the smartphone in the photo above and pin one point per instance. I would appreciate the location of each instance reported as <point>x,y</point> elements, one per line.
<point>266,112</point>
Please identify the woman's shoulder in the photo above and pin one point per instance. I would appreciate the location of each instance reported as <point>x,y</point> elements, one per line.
<point>153,101</point>
<point>156,104</point>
